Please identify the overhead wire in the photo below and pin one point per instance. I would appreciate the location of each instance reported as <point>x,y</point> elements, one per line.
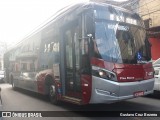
<point>151,9</point>
<point>129,2</point>
<point>151,12</point>
<point>143,5</point>
<point>146,4</point>
<point>147,8</point>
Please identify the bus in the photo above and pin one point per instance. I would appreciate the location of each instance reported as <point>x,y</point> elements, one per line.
<point>87,53</point>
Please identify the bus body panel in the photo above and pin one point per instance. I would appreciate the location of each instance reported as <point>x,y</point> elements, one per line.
<point>86,82</point>
<point>127,72</point>
<point>106,91</point>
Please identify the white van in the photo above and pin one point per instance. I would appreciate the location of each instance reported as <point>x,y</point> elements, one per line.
<point>156,66</point>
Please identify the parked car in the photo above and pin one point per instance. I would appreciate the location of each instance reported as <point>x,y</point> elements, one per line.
<point>156,66</point>
<point>1,76</point>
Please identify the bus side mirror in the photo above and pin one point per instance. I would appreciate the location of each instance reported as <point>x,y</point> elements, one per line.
<point>90,35</point>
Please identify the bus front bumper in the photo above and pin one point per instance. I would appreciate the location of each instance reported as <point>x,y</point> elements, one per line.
<point>106,91</point>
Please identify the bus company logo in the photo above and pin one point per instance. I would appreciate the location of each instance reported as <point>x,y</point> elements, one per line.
<point>6,114</point>
<point>127,78</point>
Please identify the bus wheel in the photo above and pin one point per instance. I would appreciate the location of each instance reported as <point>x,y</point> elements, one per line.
<point>53,95</point>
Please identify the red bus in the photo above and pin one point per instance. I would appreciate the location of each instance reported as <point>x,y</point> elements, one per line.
<point>87,53</point>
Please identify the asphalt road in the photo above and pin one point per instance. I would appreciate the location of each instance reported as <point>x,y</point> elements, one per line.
<point>21,100</point>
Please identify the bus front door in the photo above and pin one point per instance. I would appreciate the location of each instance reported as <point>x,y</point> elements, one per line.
<point>72,62</point>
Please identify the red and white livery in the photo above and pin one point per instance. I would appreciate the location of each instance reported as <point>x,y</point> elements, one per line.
<point>87,53</point>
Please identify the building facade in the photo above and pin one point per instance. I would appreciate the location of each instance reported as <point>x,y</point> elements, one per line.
<point>150,11</point>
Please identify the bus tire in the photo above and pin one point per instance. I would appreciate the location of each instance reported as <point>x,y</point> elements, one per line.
<point>53,94</point>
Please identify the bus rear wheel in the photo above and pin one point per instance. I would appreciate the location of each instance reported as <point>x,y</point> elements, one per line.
<point>53,94</point>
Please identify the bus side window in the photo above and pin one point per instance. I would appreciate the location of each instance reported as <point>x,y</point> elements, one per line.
<point>49,48</point>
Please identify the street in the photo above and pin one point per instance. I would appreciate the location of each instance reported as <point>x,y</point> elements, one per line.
<point>21,100</point>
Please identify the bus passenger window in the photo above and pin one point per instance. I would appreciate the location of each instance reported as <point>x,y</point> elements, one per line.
<point>32,67</point>
<point>24,66</point>
<point>45,48</point>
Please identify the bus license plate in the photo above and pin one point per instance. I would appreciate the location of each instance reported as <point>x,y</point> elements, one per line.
<point>139,93</point>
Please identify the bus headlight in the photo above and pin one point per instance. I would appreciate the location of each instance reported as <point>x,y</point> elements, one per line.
<point>103,73</point>
<point>150,74</point>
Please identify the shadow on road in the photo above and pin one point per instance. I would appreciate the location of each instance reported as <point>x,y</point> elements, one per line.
<point>137,104</point>
<point>32,94</point>
<point>155,95</point>
<point>129,105</point>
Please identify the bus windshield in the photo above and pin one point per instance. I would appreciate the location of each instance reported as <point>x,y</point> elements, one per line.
<point>120,42</point>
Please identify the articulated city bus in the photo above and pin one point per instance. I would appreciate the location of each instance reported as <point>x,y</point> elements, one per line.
<point>87,53</point>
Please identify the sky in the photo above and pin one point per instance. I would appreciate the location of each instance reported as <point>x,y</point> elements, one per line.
<point>18,18</point>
